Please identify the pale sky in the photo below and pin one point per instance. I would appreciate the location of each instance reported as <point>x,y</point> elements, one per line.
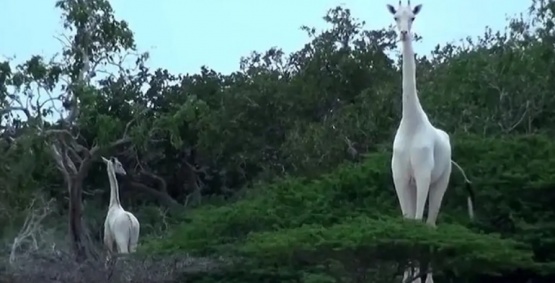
<point>183,35</point>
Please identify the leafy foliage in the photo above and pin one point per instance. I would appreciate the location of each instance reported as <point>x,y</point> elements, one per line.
<point>283,166</point>
<point>348,214</point>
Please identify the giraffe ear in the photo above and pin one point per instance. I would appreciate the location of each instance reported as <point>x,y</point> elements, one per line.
<point>105,160</point>
<point>391,9</point>
<point>417,9</point>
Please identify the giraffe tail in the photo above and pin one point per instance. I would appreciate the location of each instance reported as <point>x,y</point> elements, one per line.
<point>469,189</point>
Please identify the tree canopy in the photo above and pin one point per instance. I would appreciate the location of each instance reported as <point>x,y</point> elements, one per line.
<point>280,171</point>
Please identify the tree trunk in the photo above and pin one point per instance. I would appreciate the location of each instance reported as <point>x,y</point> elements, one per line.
<point>192,177</point>
<point>76,227</point>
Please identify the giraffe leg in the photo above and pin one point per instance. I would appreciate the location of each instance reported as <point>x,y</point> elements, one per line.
<point>405,191</point>
<point>437,191</point>
<point>429,277</point>
<point>422,164</point>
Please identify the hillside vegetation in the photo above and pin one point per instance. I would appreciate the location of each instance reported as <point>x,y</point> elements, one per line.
<point>280,171</point>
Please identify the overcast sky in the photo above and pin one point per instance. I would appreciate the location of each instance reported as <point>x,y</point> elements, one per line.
<point>183,35</point>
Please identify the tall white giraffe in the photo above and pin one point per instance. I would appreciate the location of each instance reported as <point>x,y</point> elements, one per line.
<point>120,226</point>
<point>421,163</point>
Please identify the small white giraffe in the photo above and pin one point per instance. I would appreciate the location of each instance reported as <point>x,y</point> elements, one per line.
<point>120,227</point>
<point>421,163</point>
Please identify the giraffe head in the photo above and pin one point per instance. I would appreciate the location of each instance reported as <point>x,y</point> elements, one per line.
<point>116,165</point>
<point>404,16</point>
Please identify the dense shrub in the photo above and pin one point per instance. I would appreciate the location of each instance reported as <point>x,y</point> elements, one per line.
<point>353,213</point>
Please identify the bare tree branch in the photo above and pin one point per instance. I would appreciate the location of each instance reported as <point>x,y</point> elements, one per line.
<point>162,197</point>
<point>161,181</point>
<point>62,161</point>
<point>520,120</point>
<point>32,226</point>
<point>11,109</point>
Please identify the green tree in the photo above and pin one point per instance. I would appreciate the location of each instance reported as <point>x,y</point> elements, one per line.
<point>285,163</point>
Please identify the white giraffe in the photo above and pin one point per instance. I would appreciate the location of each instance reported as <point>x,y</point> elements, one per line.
<point>120,227</point>
<point>421,163</point>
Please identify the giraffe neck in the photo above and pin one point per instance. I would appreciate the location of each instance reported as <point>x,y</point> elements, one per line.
<point>114,188</point>
<point>412,110</point>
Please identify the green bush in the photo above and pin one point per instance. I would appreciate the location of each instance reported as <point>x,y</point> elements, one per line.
<point>353,212</point>
<point>290,203</point>
<point>389,239</point>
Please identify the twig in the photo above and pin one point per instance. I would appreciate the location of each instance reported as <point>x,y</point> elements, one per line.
<point>31,226</point>
<point>163,185</point>
<point>15,108</point>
